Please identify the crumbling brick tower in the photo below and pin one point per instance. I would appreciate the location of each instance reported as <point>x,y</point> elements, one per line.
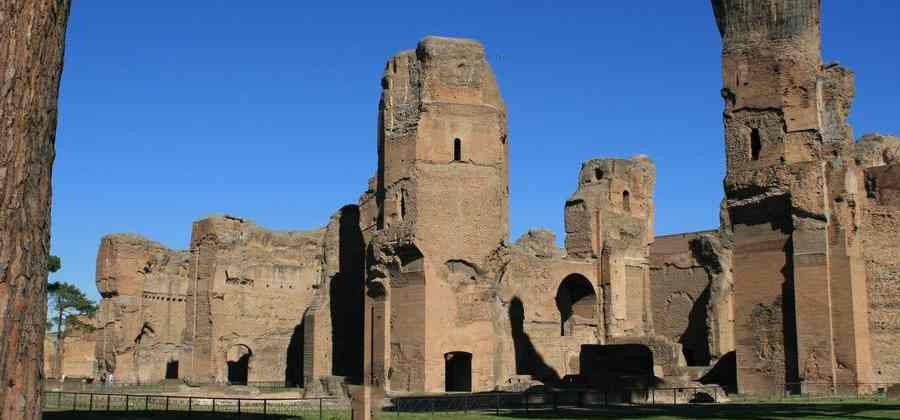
<point>610,220</point>
<point>442,190</point>
<point>794,198</point>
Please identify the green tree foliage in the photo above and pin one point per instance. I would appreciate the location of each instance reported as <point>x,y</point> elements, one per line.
<point>54,264</point>
<point>67,303</point>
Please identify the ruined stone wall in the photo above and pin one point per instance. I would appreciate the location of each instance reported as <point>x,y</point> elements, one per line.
<point>78,353</point>
<point>142,313</point>
<point>542,329</point>
<point>609,220</point>
<point>680,295</point>
<point>881,228</point>
<point>443,210</point>
<point>252,287</point>
<point>794,194</point>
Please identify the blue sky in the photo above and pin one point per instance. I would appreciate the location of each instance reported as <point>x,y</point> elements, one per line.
<point>173,110</point>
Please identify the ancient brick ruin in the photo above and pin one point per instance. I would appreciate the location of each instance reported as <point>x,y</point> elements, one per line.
<point>417,287</point>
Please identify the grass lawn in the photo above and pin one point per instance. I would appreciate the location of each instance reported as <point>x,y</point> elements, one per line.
<point>860,410</point>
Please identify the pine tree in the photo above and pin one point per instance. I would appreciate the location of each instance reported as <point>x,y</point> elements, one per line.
<point>32,39</point>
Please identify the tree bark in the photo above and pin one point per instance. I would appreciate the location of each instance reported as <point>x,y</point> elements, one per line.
<point>32,38</point>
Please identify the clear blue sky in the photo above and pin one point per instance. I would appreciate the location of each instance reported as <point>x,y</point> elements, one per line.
<point>173,110</point>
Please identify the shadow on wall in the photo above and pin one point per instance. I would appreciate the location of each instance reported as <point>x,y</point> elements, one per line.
<point>293,371</point>
<point>528,360</point>
<point>724,373</point>
<point>789,322</point>
<point>347,300</point>
<point>695,339</point>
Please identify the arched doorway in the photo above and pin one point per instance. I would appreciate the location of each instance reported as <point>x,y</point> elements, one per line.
<point>238,360</point>
<point>575,298</point>
<point>458,372</point>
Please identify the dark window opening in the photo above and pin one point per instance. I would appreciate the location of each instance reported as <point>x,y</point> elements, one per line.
<point>172,369</point>
<point>598,173</point>
<point>457,150</point>
<point>626,200</point>
<point>755,144</point>
<point>458,371</point>
<point>575,297</point>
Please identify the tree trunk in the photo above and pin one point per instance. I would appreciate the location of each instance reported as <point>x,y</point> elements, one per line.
<point>32,37</point>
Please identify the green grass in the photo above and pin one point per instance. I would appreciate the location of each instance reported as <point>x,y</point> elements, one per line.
<point>858,410</point>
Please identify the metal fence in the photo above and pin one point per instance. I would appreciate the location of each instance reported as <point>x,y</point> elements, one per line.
<point>845,391</point>
<point>550,400</point>
<point>320,408</point>
<point>153,388</point>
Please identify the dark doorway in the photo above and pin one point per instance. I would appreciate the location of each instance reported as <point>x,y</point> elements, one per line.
<point>626,200</point>
<point>575,297</point>
<point>457,150</point>
<point>172,369</point>
<point>238,364</point>
<point>347,299</point>
<point>458,371</point>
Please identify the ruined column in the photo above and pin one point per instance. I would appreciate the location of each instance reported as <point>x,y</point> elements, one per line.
<point>442,192</point>
<point>796,271</point>
<point>610,220</point>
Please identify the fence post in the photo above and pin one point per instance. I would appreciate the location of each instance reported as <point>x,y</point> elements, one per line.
<point>397,406</point>
<point>265,407</point>
<point>146,403</point>
<point>320,409</point>
<point>239,407</point>
<point>167,403</point>
<point>91,404</point>
<point>107,402</point>
<point>214,405</point>
<point>190,403</point>
<point>59,400</point>
<point>126,402</point>
<point>674,396</point>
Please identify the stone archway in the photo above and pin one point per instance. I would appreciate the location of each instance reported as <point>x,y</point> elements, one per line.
<point>575,298</point>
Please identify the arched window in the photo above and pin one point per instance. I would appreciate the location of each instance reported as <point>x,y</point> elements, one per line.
<point>457,150</point>
<point>598,173</point>
<point>755,144</point>
<point>626,200</point>
<point>575,296</point>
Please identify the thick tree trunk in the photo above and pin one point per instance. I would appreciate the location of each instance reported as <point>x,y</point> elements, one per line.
<point>32,35</point>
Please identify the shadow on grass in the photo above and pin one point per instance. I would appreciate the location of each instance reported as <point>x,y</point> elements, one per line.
<point>160,415</point>
<point>739,411</point>
<point>748,411</point>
